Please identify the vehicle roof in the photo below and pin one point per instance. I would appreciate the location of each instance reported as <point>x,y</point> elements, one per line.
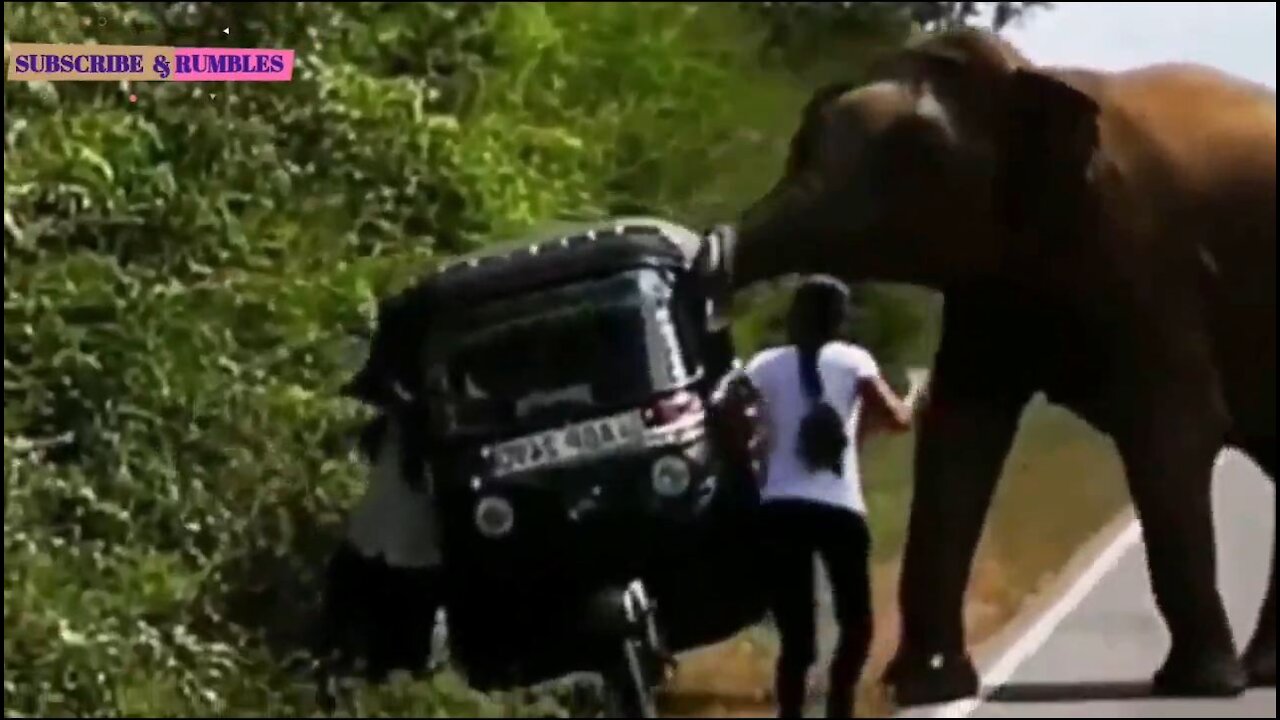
<point>564,255</point>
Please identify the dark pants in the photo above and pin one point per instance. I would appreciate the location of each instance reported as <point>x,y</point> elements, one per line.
<point>795,531</point>
<point>378,614</point>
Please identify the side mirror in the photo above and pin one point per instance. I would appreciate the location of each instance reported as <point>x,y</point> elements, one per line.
<point>717,252</point>
<point>714,265</point>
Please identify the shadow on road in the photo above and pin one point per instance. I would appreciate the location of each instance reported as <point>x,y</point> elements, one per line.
<point>1071,692</point>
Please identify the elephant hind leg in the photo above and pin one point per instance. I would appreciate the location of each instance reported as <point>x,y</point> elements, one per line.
<point>1169,463</point>
<point>1260,657</point>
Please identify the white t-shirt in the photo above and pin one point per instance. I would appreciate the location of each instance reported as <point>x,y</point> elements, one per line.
<point>776,374</point>
<point>393,520</point>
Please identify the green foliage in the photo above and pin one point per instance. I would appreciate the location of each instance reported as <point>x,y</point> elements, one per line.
<point>182,274</point>
<point>799,31</point>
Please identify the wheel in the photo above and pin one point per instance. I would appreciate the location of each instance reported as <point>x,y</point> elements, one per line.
<point>627,684</point>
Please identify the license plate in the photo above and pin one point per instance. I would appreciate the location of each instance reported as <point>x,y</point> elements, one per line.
<point>569,444</point>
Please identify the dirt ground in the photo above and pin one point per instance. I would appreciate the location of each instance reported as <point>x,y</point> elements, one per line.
<point>1057,463</point>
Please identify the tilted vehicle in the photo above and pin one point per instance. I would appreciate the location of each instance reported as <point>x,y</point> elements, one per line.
<point>567,405</point>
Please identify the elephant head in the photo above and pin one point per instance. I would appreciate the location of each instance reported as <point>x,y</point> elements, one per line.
<point>936,170</point>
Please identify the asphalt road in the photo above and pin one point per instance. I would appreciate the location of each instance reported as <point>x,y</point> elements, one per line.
<point>1091,653</point>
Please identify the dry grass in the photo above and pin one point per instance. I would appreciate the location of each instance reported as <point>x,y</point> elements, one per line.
<point>1062,485</point>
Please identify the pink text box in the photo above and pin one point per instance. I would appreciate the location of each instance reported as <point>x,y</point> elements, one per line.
<point>234,64</point>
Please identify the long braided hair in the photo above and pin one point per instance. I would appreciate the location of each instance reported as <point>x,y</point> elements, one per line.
<point>817,312</point>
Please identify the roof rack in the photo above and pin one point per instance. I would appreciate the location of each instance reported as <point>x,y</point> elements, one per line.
<point>602,247</point>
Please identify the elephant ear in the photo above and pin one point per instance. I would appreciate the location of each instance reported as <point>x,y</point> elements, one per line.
<point>1052,138</point>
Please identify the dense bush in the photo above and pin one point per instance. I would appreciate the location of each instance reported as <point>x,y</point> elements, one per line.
<point>181,276</point>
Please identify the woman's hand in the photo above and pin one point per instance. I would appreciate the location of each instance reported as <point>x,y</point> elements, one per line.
<point>918,388</point>
<point>885,411</point>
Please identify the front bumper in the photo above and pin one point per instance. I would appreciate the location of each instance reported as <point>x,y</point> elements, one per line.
<point>597,520</point>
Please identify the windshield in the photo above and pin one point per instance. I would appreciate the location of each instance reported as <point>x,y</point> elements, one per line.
<point>568,351</point>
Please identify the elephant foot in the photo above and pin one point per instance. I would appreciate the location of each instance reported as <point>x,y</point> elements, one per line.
<point>917,679</point>
<point>1200,675</point>
<point>1261,666</point>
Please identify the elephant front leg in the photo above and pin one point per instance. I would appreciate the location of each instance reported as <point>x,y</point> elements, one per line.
<point>964,439</point>
<point>1169,451</point>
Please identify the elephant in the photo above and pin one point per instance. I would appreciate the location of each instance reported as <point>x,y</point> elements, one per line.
<point>1105,239</point>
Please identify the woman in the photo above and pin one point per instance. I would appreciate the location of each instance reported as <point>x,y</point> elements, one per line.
<point>815,391</point>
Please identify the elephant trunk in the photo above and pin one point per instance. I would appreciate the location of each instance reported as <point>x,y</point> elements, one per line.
<point>802,227</point>
<point>776,236</point>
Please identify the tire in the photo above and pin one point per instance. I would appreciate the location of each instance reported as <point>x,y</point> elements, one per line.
<point>627,684</point>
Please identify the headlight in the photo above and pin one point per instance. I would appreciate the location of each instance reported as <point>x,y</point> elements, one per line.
<point>671,476</point>
<point>495,517</point>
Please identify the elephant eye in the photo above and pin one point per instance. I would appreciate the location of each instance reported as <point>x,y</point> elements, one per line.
<point>919,142</point>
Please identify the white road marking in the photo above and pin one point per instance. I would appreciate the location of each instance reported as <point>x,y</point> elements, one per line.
<point>1035,637</point>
